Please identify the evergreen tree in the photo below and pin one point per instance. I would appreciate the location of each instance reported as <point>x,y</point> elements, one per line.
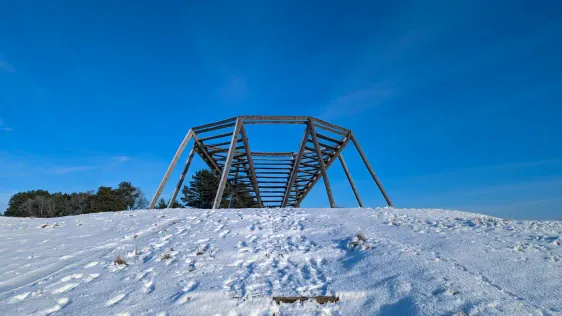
<point>176,204</point>
<point>161,204</point>
<point>240,198</point>
<point>107,200</point>
<point>16,203</point>
<point>203,189</point>
<point>128,194</point>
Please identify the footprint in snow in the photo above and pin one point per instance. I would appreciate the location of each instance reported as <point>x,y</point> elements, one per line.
<point>183,297</point>
<point>148,287</point>
<point>190,286</point>
<point>116,299</point>
<point>19,298</point>
<point>71,277</point>
<point>65,288</point>
<point>141,275</point>
<point>224,233</point>
<point>91,264</point>
<point>89,278</point>
<point>61,302</point>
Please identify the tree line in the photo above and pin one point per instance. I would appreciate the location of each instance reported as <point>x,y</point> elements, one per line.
<point>42,203</point>
<point>200,193</point>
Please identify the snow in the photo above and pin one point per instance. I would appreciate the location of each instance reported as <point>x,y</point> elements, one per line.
<point>232,262</point>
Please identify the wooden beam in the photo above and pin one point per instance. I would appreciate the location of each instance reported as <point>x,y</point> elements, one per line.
<point>278,160</point>
<point>182,176</point>
<point>309,165</point>
<point>228,120</point>
<point>273,117</point>
<point>348,175</point>
<point>226,169</point>
<point>215,137</point>
<point>324,153</point>
<point>251,164</point>
<point>371,171</point>
<point>275,122</point>
<point>322,166</point>
<point>208,159</point>
<point>309,172</point>
<point>171,168</point>
<point>218,145</point>
<point>296,166</point>
<point>283,182</point>
<point>206,130</point>
<point>222,150</point>
<point>315,179</point>
<point>273,154</point>
<point>324,137</point>
<point>327,146</point>
<point>293,299</point>
<point>344,131</point>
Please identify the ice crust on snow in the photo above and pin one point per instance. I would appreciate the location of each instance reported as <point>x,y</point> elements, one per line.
<point>188,261</point>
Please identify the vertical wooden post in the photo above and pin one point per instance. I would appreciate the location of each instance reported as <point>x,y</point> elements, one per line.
<point>350,180</point>
<point>321,161</point>
<point>182,176</point>
<point>171,168</point>
<point>371,171</point>
<point>295,170</point>
<point>253,177</point>
<point>233,195</point>
<point>227,164</point>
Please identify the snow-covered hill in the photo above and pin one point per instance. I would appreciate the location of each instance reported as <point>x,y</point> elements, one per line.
<point>230,262</point>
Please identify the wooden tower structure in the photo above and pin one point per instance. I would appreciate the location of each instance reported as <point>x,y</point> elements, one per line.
<point>275,179</point>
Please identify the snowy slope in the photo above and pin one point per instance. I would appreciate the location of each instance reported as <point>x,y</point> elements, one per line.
<point>230,262</point>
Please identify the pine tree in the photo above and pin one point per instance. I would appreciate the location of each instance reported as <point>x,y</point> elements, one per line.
<point>161,204</point>
<point>107,200</point>
<point>203,189</point>
<point>128,194</point>
<point>176,204</point>
<point>19,205</point>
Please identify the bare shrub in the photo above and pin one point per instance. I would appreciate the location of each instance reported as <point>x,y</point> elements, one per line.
<point>120,261</point>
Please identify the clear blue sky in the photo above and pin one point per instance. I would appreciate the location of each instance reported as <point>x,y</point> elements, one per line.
<point>458,104</point>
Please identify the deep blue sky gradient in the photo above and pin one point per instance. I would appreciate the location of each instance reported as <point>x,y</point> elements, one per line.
<point>458,104</point>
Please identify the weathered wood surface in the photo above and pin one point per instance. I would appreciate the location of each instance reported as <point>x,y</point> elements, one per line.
<point>182,176</point>
<point>371,171</point>
<point>316,178</point>
<point>298,171</point>
<point>171,168</point>
<point>251,163</point>
<point>322,165</point>
<point>318,299</point>
<point>226,168</point>
<point>351,183</point>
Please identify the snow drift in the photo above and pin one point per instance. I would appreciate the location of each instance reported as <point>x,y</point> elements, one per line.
<point>230,262</point>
